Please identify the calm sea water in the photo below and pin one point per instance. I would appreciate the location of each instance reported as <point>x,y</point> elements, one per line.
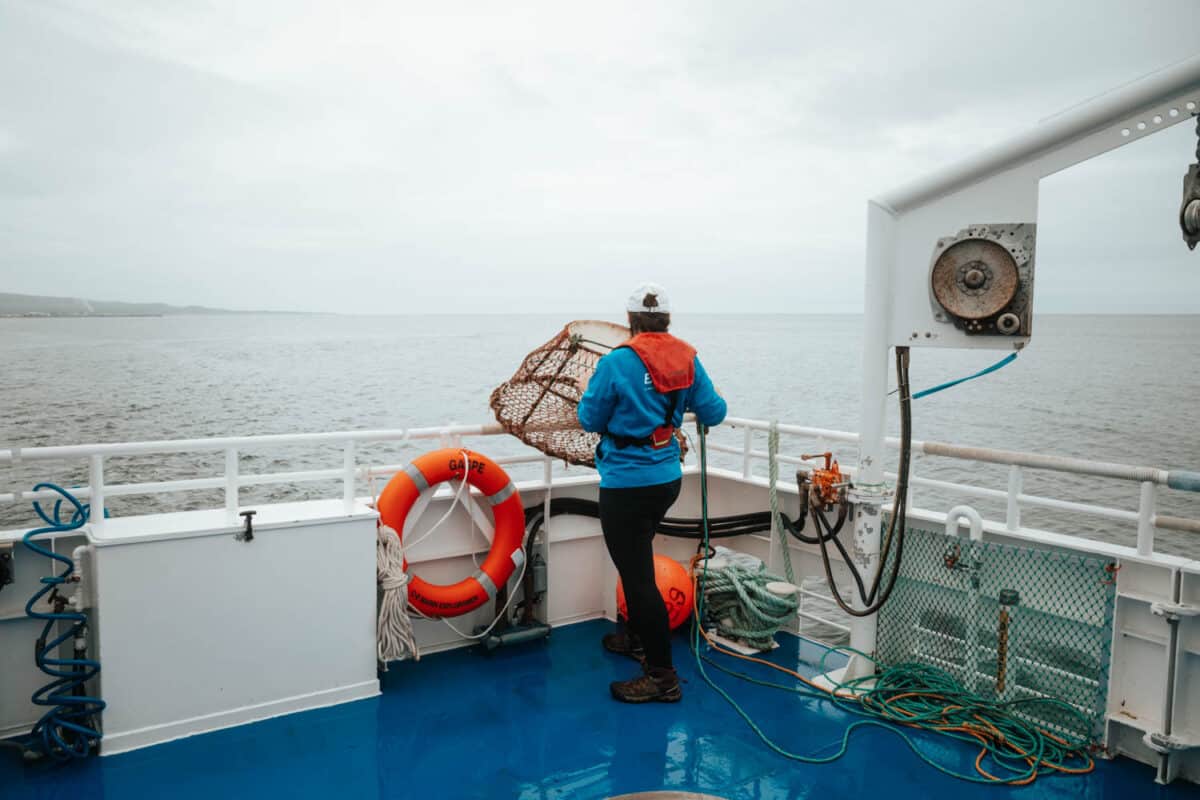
<point>1120,389</point>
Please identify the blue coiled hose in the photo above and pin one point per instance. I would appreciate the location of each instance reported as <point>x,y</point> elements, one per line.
<point>68,728</point>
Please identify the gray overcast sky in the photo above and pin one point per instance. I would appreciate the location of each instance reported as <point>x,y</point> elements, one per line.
<point>376,156</point>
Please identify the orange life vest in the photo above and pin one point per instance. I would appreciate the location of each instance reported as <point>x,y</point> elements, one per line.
<point>671,364</point>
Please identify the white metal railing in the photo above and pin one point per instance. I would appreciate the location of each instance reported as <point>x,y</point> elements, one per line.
<point>351,471</point>
<point>233,480</point>
<point>1148,478</point>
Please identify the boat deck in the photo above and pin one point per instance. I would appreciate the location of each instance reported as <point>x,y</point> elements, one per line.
<point>536,721</point>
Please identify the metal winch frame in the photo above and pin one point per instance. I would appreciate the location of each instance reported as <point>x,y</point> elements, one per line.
<point>985,198</point>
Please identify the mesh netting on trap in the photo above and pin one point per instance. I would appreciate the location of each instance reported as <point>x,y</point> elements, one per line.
<point>537,404</point>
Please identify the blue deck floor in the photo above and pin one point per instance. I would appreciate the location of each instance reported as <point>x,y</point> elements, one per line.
<point>536,721</point>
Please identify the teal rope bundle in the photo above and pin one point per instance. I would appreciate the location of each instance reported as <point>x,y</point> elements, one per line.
<point>1015,745</point>
<point>738,599</point>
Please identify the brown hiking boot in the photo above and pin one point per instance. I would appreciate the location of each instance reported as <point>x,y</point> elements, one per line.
<point>624,643</point>
<point>654,685</point>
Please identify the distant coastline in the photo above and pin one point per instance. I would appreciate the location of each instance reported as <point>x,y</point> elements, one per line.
<point>47,315</point>
<point>33,306</point>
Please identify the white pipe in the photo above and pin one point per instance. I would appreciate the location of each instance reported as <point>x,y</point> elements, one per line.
<point>1079,466</point>
<point>870,491</point>
<point>1169,523</point>
<point>881,229</point>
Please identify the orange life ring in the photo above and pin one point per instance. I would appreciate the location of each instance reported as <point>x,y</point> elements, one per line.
<point>508,544</point>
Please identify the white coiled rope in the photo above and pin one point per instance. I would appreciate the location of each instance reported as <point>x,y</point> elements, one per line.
<point>393,631</point>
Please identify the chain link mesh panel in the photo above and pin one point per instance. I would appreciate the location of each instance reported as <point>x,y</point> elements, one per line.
<point>1009,623</point>
<point>537,404</point>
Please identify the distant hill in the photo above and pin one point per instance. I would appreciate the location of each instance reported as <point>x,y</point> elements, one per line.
<point>39,305</point>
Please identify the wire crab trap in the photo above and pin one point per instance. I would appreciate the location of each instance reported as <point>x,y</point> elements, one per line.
<point>537,404</point>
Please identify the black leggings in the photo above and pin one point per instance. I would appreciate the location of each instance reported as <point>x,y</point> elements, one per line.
<point>629,518</point>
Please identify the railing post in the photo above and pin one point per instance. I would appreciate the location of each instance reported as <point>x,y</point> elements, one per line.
<point>231,485</point>
<point>1012,517</point>
<point>96,485</point>
<point>547,477</point>
<point>1145,529</point>
<point>349,470</point>
<point>747,442</point>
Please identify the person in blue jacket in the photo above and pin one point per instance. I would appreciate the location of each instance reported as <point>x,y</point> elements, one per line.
<point>636,399</point>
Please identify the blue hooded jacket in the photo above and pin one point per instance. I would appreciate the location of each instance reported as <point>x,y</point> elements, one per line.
<point>621,400</point>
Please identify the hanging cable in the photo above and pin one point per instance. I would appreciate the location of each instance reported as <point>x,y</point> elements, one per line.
<point>875,598</point>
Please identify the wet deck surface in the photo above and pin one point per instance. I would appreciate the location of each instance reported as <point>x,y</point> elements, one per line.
<point>536,721</point>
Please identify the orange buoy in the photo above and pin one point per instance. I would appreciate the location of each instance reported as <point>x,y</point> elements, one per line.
<point>675,586</point>
<point>508,545</point>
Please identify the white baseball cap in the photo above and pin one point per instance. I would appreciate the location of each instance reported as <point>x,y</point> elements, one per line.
<point>649,298</point>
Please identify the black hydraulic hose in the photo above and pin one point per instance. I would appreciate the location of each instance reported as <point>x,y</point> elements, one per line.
<point>874,600</point>
<point>825,532</point>
<point>680,527</point>
<point>900,507</point>
<point>830,534</point>
<point>796,528</point>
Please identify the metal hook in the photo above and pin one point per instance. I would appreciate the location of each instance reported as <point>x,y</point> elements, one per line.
<point>956,516</point>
